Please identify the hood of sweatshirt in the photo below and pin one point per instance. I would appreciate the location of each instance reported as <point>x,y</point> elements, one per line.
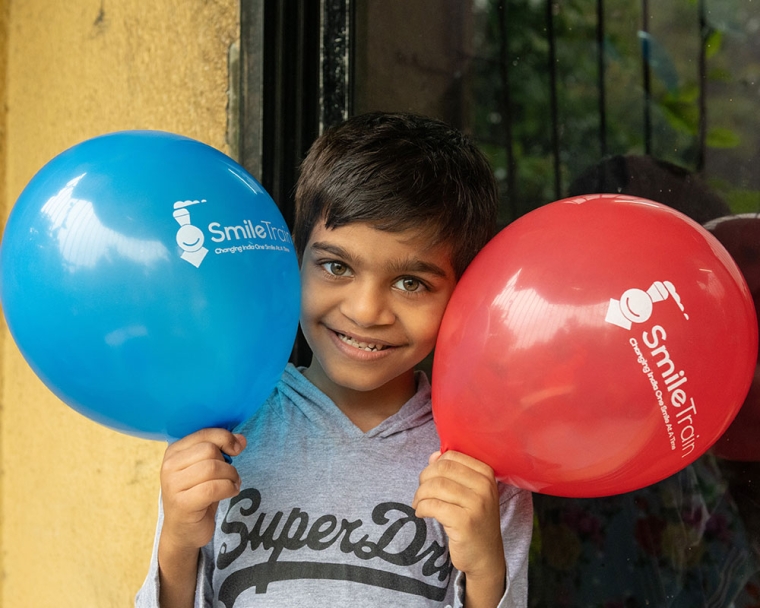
<point>297,393</point>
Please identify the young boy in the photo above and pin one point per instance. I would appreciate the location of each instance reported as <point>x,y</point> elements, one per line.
<point>334,498</point>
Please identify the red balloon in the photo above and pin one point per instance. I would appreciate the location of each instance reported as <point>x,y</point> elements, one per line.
<point>740,235</point>
<point>595,346</point>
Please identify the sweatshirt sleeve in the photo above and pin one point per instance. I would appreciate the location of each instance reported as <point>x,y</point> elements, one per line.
<point>516,508</point>
<point>147,596</point>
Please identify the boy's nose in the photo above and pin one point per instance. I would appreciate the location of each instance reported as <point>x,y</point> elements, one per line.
<point>368,305</point>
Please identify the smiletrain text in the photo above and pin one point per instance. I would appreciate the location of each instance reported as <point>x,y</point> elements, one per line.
<point>248,230</point>
<point>668,385</point>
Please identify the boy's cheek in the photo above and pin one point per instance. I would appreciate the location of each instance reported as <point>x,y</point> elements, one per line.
<point>310,292</point>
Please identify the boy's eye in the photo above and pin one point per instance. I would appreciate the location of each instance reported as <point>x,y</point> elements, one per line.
<point>336,268</point>
<point>409,284</point>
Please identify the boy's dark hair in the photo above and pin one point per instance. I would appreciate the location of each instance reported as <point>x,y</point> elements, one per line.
<point>398,171</point>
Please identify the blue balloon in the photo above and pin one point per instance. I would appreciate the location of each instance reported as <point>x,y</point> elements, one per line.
<point>151,283</point>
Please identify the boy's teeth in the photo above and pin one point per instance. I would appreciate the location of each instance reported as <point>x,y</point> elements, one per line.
<point>362,345</point>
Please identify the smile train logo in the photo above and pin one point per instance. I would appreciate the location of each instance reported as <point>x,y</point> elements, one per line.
<point>189,237</point>
<point>635,305</point>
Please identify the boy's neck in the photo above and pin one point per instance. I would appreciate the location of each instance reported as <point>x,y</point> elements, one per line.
<point>365,408</point>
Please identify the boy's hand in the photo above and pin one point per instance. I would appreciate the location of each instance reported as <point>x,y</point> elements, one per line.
<point>194,478</point>
<point>460,492</point>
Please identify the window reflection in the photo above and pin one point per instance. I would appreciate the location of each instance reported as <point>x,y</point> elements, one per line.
<point>653,99</point>
<point>535,319</point>
<point>684,541</point>
<point>84,241</point>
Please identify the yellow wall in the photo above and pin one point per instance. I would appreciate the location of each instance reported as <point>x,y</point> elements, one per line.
<point>78,501</point>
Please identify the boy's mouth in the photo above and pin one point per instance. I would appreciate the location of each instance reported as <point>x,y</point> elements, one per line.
<point>370,347</point>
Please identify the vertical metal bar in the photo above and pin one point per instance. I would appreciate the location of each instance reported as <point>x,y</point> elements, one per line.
<point>645,47</point>
<point>702,129</point>
<point>249,136</point>
<point>506,110</point>
<point>553,96</point>
<point>278,91</point>
<point>285,101</point>
<point>289,111</point>
<point>601,64</point>
<point>335,92</point>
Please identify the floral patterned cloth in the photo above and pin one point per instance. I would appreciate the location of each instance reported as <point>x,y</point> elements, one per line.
<point>680,543</point>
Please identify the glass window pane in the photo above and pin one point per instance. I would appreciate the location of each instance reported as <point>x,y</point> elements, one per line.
<point>656,99</point>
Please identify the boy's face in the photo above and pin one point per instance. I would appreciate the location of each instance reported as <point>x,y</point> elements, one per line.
<point>372,303</point>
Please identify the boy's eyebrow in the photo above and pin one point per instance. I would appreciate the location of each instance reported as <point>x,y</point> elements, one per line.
<point>397,266</point>
<point>335,250</point>
<point>417,266</point>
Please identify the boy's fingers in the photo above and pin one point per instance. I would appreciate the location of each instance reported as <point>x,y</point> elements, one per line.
<point>177,462</point>
<point>238,445</point>
<point>468,461</point>
<point>444,490</point>
<point>201,472</point>
<point>456,467</point>
<point>200,497</point>
<point>427,491</point>
<point>443,512</point>
<point>222,439</point>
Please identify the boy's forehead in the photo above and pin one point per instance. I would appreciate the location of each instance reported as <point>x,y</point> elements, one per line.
<point>422,239</point>
<point>365,239</point>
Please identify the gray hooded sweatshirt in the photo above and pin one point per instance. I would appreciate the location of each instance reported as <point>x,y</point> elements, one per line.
<point>323,517</point>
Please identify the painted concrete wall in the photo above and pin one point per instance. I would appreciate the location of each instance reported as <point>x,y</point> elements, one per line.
<point>78,501</point>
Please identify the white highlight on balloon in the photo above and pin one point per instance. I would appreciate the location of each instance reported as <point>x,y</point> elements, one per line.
<point>83,239</point>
